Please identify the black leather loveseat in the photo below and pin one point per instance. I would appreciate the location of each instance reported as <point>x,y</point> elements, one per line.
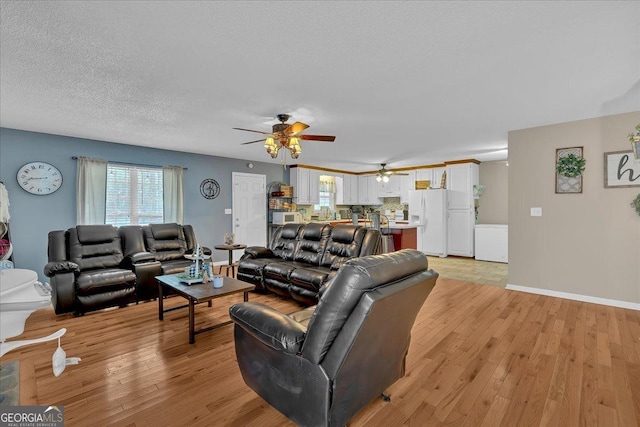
<point>97,266</point>
<point>322,365</point>
<point>301,258</point>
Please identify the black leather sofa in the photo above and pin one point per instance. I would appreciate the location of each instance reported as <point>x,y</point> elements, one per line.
<point>322,365</point>
<point>97,266</point>
<point>301,258</point>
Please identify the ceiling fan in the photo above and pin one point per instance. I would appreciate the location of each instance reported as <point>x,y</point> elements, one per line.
<point>286,136</point>
<point>384,173</point>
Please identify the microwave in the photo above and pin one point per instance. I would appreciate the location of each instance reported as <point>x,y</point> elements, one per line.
<point>281,218</point>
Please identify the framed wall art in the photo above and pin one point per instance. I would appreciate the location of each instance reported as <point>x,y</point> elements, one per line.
<point>569,168</point>
<point>621,169</point>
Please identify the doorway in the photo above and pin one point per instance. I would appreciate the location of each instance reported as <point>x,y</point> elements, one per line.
<point>249,209</point>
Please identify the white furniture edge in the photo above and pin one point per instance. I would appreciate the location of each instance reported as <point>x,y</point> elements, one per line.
<point>576,297</point>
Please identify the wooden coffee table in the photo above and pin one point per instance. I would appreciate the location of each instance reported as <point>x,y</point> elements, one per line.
<point>196,294</point>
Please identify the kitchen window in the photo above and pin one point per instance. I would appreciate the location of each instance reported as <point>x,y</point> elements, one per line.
<point>327,194</point>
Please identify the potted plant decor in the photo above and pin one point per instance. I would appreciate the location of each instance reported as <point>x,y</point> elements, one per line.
<point>571,166</point>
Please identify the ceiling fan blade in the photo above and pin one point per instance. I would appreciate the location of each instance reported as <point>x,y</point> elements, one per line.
<point>256,131</point>
<point>295,128</point>
<point>321,138</point>
<point>398,173</point>
<point>253,142</point>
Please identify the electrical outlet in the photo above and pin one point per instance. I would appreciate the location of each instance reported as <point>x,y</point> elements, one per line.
<point>227,211</point>
<point>536,211</point>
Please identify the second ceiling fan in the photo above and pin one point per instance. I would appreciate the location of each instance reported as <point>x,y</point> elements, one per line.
<point>287,136</point>
<point>384,173</point>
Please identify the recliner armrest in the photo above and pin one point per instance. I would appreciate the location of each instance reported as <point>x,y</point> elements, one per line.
<point>139,257</point>
<point>271,327</point>
<point>259,252</point>
<point>55,267</point>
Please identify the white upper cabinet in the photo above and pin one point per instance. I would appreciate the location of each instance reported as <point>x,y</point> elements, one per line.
<point>460,180</point>
<point>423,175</point>
<point>368,190</point>
<point>305,185</point>
<point>407,182</point>
<point>436,177</point>
<point>391,188</point>
<point>350,188</point>
<point>314,187</point>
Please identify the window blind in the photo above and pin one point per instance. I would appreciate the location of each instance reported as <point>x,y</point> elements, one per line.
<point>134,195</point>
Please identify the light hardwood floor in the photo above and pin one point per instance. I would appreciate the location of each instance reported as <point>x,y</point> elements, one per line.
<point>479,356</point>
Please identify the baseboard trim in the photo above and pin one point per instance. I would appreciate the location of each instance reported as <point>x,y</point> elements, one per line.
<point>575,297</point>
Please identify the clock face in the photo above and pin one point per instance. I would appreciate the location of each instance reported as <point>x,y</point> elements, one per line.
<point>39,178</point>
<point>209,188</point>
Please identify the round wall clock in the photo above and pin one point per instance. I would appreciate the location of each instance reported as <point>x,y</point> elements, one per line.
<point>209,188</point>
<point>39,178</point>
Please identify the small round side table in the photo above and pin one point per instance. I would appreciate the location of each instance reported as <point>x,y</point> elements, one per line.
<point>230,248</point>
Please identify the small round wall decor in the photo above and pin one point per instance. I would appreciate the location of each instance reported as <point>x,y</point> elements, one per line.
<point>209,188</point>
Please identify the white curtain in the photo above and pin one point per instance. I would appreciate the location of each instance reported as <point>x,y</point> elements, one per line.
<point>173,194</point>
<point>91,191</point>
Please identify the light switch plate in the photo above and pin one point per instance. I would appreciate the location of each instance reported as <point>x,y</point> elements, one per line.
<point>536,211</point>
<point>227,211</point>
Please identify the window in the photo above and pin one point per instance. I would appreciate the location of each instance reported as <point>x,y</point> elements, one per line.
<point>327,194</point>
<point>134,195</point>
<point>327,200</point>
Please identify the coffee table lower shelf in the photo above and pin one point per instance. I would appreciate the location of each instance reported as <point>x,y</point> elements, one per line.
<point>196,294</point>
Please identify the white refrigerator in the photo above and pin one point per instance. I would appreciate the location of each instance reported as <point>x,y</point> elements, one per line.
<point>428,211</point>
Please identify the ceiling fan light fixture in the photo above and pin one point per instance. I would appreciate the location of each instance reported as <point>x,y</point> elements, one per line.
<point>269,142</point>
<point>378,178</point>
<point>385,178</point>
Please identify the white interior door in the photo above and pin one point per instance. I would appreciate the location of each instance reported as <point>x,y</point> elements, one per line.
<point>249,206</point>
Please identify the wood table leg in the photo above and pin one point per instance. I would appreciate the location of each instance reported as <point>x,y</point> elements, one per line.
<point>246,296</point>
<point>192,327</point>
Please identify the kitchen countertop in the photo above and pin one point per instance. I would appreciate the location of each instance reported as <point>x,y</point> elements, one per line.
<point>399,225</point>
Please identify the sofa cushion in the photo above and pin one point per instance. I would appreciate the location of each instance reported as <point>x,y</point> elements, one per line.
<point>102,250</point>
<point>91,234</point>
<point>99,281</point>
<point>345,242</point>
<point>284,240</point>
<point>254,266</point>
<point>312,241</point>
<point>281,270</point>
<point>309,277</point>
<point>165,241</point>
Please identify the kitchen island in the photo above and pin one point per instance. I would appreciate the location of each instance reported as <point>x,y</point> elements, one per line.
<point>405,236</point>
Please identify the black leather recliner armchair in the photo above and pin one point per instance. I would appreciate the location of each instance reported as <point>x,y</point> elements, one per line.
<point>320,366</point>
<point>86,269</point>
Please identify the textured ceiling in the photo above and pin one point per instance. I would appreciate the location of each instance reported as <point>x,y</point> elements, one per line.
<point>406,83</point>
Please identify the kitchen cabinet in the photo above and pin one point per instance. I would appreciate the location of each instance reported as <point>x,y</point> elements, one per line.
<point>391,188</point>
<point>407,183</point>
<point>350,189</point>
<point>460,225</point>
<point>305,185</point>
<point>460,181</point>
<point>423,174</point>
<point>436,177</point>
<point>461,178</point>
<point>368,190</point>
